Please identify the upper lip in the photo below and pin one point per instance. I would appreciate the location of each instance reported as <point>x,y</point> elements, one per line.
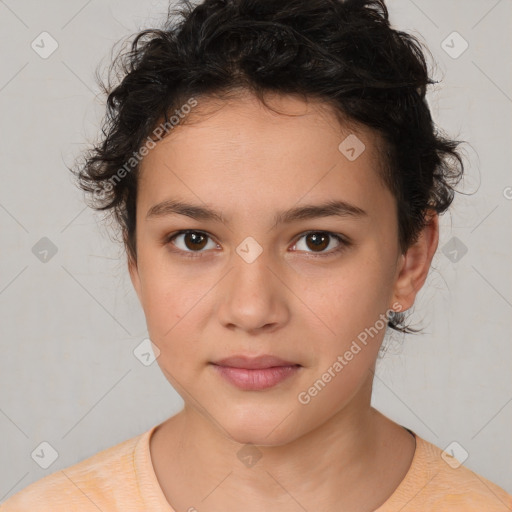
<point>252,363</point>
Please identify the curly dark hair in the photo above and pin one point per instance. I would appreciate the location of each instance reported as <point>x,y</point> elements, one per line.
<point>344,53</point>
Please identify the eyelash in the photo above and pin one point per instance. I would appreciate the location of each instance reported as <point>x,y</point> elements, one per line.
<point>343,243</point>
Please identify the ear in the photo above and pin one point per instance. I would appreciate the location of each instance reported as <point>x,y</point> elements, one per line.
<point>134,276</point>
<point>416,263</point>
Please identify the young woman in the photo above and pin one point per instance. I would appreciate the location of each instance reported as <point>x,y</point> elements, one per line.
<point>277,179</point>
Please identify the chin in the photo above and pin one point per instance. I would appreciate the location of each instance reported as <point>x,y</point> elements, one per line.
<point>272,429</point>
<point>259,437</point>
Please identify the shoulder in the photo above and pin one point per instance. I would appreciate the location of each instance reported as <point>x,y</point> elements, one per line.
<point>92,484</point>
<point>441,483</point>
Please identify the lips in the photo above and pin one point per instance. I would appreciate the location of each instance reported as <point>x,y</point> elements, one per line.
<point>255,373</point>
<point>254,363</point>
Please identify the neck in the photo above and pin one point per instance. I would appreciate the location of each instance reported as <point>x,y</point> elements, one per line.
<point>340,461</point>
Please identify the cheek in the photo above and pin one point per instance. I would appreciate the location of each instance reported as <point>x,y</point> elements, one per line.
<point>334,386</point>
<point>353,299</point>
<point>174,306</point>
<point>163,297</point>
<point>353,309</point>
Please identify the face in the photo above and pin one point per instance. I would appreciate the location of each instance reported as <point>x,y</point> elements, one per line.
<point>310,288</point>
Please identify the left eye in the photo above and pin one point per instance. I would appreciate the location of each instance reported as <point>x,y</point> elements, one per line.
<point>194,241</point>
<point>320,240</point>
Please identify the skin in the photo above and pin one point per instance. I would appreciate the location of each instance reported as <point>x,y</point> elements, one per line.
<point>335,452</point>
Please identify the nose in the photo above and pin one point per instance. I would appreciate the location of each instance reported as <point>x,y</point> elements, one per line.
<point>252,297</point>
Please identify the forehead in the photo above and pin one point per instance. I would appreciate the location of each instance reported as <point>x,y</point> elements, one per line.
<point>225,123</point>
<point>238,152</point>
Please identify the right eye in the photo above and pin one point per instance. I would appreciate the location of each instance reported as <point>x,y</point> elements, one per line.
<point>192,242</point>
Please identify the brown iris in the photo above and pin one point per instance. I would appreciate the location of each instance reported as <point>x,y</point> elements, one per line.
<point>197,240</point>
<point>319,240</point>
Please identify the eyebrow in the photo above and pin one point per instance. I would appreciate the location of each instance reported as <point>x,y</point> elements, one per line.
<point>336,208</point>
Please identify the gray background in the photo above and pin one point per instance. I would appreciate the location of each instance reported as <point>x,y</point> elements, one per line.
<point>69,326</point>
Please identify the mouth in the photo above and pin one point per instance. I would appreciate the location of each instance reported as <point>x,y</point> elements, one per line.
<point>254,363</point>
<point>255,373</point>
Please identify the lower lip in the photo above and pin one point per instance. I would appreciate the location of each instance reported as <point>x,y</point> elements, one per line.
<point>257,379</point>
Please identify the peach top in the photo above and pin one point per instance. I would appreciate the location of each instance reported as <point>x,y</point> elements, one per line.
<point>121,479</point>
